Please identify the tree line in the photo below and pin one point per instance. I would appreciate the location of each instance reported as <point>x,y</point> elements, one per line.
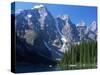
<point>83,55</point>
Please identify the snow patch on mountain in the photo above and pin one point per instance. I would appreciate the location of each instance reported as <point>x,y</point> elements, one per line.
<point>38,6</point>
<point>64,17</point>
<point>93,26</point>
<point>29,15</point>
<point>82,23</point>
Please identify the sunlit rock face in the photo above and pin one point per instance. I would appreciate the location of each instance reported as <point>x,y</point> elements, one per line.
<point>68,29</point>
<point>81,27</point>
<point>92,31</point>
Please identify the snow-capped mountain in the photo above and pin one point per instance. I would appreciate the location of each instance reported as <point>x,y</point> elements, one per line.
<point>37,19</point>
<point>81,27</point>
<point>38,23</point>
<point>92,31</point>
<point>39,29</point>
<point>67,28</point>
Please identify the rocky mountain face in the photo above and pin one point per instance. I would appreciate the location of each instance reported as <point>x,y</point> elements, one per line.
<point>37,20</point>
<point>68,29</point>
<point>39,29</point>
<point>92,31</point>
<point>81,27</point>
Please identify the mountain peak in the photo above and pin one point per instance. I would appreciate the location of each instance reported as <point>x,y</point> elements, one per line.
<point>93,26</point>
<point>38,7</point>
<point>82,23</point>
<point>64,17</point>
<point>94,23</point>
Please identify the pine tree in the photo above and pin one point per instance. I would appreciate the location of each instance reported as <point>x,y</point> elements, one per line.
<point>84,53</point>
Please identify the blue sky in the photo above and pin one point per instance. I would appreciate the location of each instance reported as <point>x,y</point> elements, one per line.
<point>76,13</point>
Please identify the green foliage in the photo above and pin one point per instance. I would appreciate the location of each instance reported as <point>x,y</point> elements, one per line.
<point>83,55</point>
